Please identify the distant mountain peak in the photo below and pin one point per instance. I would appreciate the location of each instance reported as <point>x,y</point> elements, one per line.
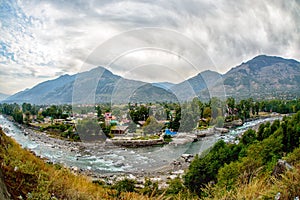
<point>262,76</point>
<point>265,60</point>
<point>102,71</point>
<point>65,75</point>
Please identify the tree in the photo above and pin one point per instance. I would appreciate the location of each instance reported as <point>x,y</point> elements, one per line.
<point>207,112</point>
<point>231,104</point>
<point>139,113</point>
<point>248,137</point>
<point>203,170</point>
<point>27,117</point>
<point>18,116</point>
<point>99,112</point>
<point>151,126</point>
<point>132,127</point>
<point>219,121</point>
<point>260,132</point>
<point>188,122</point>
<point>216,107</point>
<point>125,185</point>
<point>90,130</point>
<point>256,108</point>
<point>228,175</point>
<point>175,186</point>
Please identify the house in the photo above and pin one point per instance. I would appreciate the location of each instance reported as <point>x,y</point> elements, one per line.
<point>47,120</point>
<point>118,129</point>
<point>108,115</point>
<point>141,123</point>
<point>108,118</point>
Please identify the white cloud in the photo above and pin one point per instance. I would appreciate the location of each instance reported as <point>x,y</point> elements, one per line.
<point>49,38</point>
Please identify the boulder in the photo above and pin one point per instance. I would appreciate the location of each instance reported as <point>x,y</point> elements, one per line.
<point>280,168</point>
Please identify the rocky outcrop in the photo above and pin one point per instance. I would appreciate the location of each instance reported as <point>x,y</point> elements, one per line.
<point>280,168</point>
<point>233,124</point>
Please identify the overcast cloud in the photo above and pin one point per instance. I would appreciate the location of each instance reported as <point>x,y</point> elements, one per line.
<point>41,40</point>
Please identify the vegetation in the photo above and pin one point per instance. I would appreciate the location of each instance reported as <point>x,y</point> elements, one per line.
<point>246,170</point>
<point>151,126</point>
<point>150,137</point>
<point>226,171</point>
<point>29,177</point>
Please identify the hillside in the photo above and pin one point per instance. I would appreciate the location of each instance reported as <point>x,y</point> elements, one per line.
<point>27,177</point>
<point>264,164</point>
<point>263,76</point>
<point>164,85</point>
<point>44,92</point>
<point>197,85</point>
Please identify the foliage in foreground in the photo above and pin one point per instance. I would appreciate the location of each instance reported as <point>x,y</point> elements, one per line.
<point>30,177</point>
<point>246,170</point>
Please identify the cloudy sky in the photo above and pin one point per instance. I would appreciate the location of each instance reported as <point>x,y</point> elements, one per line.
<point>146,40</point>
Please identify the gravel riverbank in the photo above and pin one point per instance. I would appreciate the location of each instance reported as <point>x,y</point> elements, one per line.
<point>83,158</point>
<point>109,163</point>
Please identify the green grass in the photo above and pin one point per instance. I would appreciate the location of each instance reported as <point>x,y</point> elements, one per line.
<point>147,137</point>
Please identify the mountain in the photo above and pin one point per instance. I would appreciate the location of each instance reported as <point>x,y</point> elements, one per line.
<point>206,80</point>
<point>42,93</point>
<point>164,85</point>
<point>263,76</point>
<point>97,85</point>
<point>3,96</point>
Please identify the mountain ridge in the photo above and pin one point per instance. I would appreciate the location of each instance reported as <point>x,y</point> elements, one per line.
<point>259,76</point>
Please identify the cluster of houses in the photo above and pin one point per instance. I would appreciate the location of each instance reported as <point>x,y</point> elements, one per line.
<point>118,125</point>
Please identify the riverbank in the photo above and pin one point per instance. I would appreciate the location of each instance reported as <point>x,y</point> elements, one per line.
<point>108,162</point>
<point>161,174</point>
<point>98,160</point>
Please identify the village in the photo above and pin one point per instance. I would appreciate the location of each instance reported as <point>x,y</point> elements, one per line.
<point>137,125</point>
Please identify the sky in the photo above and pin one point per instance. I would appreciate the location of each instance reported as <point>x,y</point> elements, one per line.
<point>153,41</point>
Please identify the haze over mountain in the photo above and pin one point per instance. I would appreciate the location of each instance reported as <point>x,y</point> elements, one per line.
<point>3,96</point>
<point>259,77</point>
<point>96,85</point>
<point>164,85</point>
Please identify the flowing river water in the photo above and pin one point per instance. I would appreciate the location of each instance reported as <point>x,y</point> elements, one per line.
<point>96,157</point>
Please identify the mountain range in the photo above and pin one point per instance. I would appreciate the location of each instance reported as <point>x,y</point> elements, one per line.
<point>261,77</point>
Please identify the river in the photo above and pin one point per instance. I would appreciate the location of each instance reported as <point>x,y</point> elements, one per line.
<point>98,158</point>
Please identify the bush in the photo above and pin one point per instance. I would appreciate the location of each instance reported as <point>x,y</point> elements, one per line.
<point>125,185</point>
<point>220,121</point>
<point>150,188</point>
<point>175,186</point>
<point>168,138</point>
